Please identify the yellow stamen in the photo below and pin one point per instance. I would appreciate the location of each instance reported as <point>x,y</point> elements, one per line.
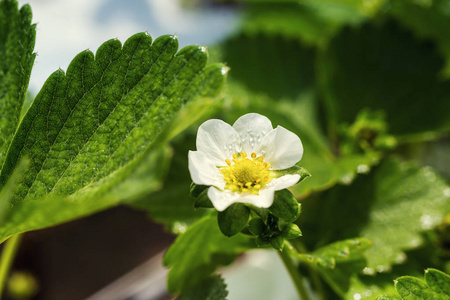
<point>246,175</point>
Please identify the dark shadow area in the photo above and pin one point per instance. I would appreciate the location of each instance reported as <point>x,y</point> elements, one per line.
<point>74,260</point>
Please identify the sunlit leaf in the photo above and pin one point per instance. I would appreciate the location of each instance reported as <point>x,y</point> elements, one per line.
<point>17,37</point>
<point>88,130</point>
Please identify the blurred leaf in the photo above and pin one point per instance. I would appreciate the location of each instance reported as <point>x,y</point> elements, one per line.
<point>354,6</point>
<point>17,36</point>
<point>277,66</point>
<point>311,21</point>
<point>197,252</point>
<point>371,287</point>
<point>213,288</point>
<point>388,297</point>
<point>390,207</point>
<point>172,205</point>
<point>427,21</point>
<point>274,76</point>
<point>383,67</point>
<point>88,130</point>
<point>147,176</point>
<point>338,261</point>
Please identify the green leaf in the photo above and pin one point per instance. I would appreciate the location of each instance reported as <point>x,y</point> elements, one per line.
<point>411,288</point>
<point>279,83</point>
<point>285,206</point>
<point>88,130</point>
<point>17,37</point>
<point>356,72</point>
<point>390,207</point>
<point>233,219</point>
<point>213,288</point>
<point>338,261</point>
<point>196,253</point>
<point>7,192</point>
<point>438,281</point>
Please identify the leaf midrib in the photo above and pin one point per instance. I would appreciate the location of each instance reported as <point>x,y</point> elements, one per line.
<point>105,119</point>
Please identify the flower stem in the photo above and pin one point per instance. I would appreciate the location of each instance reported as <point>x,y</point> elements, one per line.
<point>7,257</point>
<point>293,270</point>
<point>300,248</point>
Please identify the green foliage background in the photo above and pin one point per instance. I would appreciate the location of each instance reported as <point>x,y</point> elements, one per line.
<point>364,84</point>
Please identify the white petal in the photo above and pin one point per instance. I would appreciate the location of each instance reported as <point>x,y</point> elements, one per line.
<point>281,148</point>
<point>218,140</point>
<point>252,128</point>
<point>264,199</point>
<point>283,182</point>
<point>221,199</point>
<point>203,171</point>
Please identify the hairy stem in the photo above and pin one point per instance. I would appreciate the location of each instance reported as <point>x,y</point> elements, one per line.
<point>290,265</point>
<point>7,258</point>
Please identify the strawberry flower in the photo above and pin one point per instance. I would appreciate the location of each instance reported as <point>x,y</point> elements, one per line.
<point>242,163</point>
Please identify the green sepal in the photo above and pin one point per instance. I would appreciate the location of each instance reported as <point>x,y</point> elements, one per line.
<point>256,226</point>
<point>277,243</point>
<point>247,232</point>
<point>263,213</point>
<point>200,194</point>
<point>203,201</point>
<point>295,170</point>
<point>262,241</point>
<point>291,231</point>
<point>233,219</point>
<point>285,206</point>
<point>196,190</point>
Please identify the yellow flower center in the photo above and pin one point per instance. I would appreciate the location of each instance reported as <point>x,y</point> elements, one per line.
<point>246,175</point>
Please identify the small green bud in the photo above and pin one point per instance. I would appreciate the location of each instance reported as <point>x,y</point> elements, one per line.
<point>291,231</point>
